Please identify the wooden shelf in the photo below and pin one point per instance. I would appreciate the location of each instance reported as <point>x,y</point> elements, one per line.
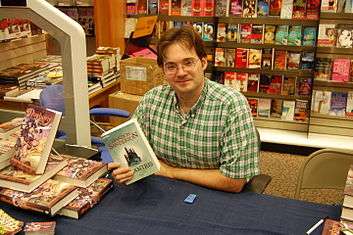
<point>288,73</point>
<point>187,18</point>
<point>275,96</point>
<point>265,45</point>
<point>334,50</point>
<point>336,16</point>
<point>331,84</point>
<point>267,20</point>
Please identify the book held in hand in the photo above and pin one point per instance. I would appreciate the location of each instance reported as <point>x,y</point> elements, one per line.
<point>128,145</point>
<point>36,138</point>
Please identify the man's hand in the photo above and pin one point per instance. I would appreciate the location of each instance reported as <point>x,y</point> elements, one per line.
<point>166,170</point>
<point>120,174</point>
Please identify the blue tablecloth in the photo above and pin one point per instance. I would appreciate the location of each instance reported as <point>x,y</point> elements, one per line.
<point>155,206</point>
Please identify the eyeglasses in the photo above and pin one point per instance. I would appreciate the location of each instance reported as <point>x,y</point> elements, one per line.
<point>188,64</point>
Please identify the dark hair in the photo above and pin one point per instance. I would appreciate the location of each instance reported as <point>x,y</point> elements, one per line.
<point>186,36</point>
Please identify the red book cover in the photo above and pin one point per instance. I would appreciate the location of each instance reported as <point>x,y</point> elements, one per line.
<point>235,8</point>
<point>196,7</point>
<point>245,33</point>
<point>280,60</point>
<point>312,9</point>
<point>163,7</point>
<point>142,7</point>
<point>341,70</point>
<point>208,7</point>
<point>253,82</point>
<point>299,9</point>
<point>253,106</point>
<point>175,8</point>
<point>275,85</point>
<point>275,7</point>
<point>241,60</point>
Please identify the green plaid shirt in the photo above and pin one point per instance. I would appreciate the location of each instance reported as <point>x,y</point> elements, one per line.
<point>218,132</point>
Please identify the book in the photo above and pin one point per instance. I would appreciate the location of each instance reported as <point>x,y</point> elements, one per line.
<point>257,32</point>
<point>263,8</point>
<point>329,6</point>
<point>40,228</point>
<point>295,35</point>
<point>301,110</point>
<point>275,85</point>
<point>221,32</point>
<point>269,34</point>
<point>293,60</point>
<point>163,7</point>
<point>241,59</point>
<point>331,227</point>
<point>87,198</point>
<point>198,27</point>
<point>265,82</point>
<point>286,9</point>
<point>349,106</point>
<point>323,69</point>
<point>275,7</point>
<point>196,8</point>
<point>276,108</point>
<point>8,224</point>
<point>208,7</point>
<point>267,58</point>
<point>312,9</point>
<point>304,86</point>
<point>264,108</point>
<point>233,33</point>
<point>341,70</point>
<point>253,82</point>
<point>230,57</point>
<point>152,7</point>
<point>254,58</point>
<point>347,213</point>
<point>338,104</point>
<point>47,198</point>
<point>81,172</point>
<point>175,9</point>
<point>309,36</point>
<point>220,58</point>
<point>253,102</point>
<point>208,33</point>
<point>245,33</point>
<point>235,8</point>
<point>288,108</point>
<point>325,102</point>
<point>249,8</point>
<point>128,145</point>
<point>186,7</point>
<point>281,37</point>
<point>327,35</point>
<point>307,60</point>
<point>288,86</point>
<point>344,36</point>
<point>37,135</point>
<point>11,125</point>
<point>19,180</point>
<point>280,60</point>
<point>221,8</point>
<point>299,9</point>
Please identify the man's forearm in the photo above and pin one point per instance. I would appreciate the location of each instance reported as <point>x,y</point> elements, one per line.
<point>208,178</point>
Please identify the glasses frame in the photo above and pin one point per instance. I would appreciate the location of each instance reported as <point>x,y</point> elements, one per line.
<point>183,64</point>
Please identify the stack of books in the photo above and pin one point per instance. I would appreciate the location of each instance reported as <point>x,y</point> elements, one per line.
<point>347,209</point>
<point>35,179</point>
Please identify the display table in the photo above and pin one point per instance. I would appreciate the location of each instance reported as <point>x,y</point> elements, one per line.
<point>155,206</point>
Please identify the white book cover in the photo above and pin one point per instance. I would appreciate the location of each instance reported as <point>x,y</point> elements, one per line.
<point>328,6</point>
<point>286,9</point>
<point>325,103</point>
<point>288,110</point>
<point>128,145</point>
<point>327,35</point>
<point>264,108</point>
<point>349,107</point>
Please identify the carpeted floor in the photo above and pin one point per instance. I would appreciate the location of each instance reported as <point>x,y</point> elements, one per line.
<point>284,169</point>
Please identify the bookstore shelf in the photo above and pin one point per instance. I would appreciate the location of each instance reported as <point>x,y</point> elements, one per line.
<point>275,96</point>
<point>338,16</point>
<point>265,45</point>
<point>207,19</point>
<point>333,85</point>
<point>334,50</point>
<point>289,73</point>
<point>267,20</point>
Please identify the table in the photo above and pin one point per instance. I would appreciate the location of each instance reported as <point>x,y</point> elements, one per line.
<point>155,205</point>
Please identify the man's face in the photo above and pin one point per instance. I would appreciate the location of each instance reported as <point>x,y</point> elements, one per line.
<point>184,70</point>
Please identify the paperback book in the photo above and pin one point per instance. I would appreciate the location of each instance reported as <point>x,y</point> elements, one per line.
<point>245,33</point>
<point>42,228</point>
<point>301,110</point>
<point>288,108</point>
<point>36,138</point>
<point>11,125</point>
<point>267,58</point>
<point>230,57</point>
<point>241,60</point>
<point>233,33</point>
<point>8,224</point>
<point>341,70</point>
<point>269,34</point>
<point>221,8</point>
<point>263,8</point>
<point>293,60</point>
<point>338,104</point>
<point>281,37</point>
<point>253,106</point>
<point>235,8</point>
<point>128,145</point>
<point>304,86</point>
<point>264,84</point>
<point>276,108</point>
<point>312,9</point>
<point>87,198</point>
<point>344,37</point>
<point>249,8</point>
<point>220,58</point>
<point>323,69</point>
<point>280,62</point>
<point>287,9</point>
<point>264,108</point>
<point>275,7</point>
<point>288,86</point>
<point>327,35</point>
<point>257,32</point>
<point>299,9</point>
<point>349,106</point>
<point>253,82</point>
<point>221,32</point>
<point>254,58</point>
<point>295,35</point>
<point>309,36</point>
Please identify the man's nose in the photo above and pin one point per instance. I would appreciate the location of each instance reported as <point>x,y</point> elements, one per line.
<point>180,70</point>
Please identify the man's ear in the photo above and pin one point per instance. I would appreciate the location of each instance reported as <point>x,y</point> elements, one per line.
<point>204,63</point>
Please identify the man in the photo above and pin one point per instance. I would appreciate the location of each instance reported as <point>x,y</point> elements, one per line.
<point>201,131</point>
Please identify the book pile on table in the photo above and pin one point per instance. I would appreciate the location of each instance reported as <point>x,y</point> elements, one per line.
<point>347,209</point>
<point>35,179</point>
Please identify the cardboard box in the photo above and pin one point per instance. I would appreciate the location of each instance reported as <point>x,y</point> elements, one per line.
<point>138,75</point>
<point>123,101</point>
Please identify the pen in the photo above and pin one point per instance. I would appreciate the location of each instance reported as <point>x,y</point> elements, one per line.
<point>315,226</point>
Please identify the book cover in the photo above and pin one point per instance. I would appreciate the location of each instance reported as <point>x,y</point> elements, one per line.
<point>196,8</point>
<point>152,6</point>
<point>186,9</point>
<point>208,32</point>
<point>253,103</point>
<point>269,34</point>
<point>198,27</point>
<point>253,82</point>
<point>344,37</point>
<point>249,8</point>
<point>241,60</point>
<point>349,106</point>
<point>301,110</point>
<point>348,189</point>
<point>254,58</point>
<point>276,108</point>
<point>242,81</point>
<point>221,8</point>
<point>293,60</point>
<point>47,198</point>
<point>142,6</point>
<point>299,9</point>
<point>341,70</point>
<point>288,108</point>
<point>263,8</point>
<point>328,6</point>
<point>221,32</point>
<point>307,60</point>
<point>288,86</point>
<point>275,85</point>
<point>348,8</point>
<point>257,34</point>
<point>230,80</point>
<point>312,9</point>
<point>235,8</point>
<point>267,58</point>
<point>230,57</point>
<point>36,138</point>
<point>11,125</point>
<point>309,36</point>
<point>304,86</point>
<point>321,101</point>
<point>15,179</point>
<point>220,58</point>
<point>265,82</point>
<point>43,228</point>
<point>264,108</point>
<point>331,227</point>
<point>164,7</point>
<point>295,35</point>
<point>280,60</point>
<point>8,224</point>
<point>287,9</point>
<point>208,7</point>
<point>128,145</point>
<point>233,33</point>
<point>81,172</point>
<point>175,9</point>
<point>338,104</point>
<point>275,7</point>
<point>87,198</point>
<point>245,33</point>
<point>327,35</point>
<point>281,37</point>
<point>347,214</point>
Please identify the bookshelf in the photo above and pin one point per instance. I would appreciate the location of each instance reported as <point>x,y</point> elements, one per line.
<point>71,37</point>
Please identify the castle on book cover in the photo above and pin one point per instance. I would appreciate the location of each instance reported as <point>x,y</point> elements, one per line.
<point>36,138</point>
<point>128,145</point>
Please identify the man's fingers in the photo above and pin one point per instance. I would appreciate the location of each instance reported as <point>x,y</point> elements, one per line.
<point>113,165</point>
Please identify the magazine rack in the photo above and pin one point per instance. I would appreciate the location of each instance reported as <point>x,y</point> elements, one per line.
<point>72,41</point>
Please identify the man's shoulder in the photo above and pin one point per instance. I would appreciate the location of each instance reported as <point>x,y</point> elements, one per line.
<point>224,93</point>
<point>161,91</point>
